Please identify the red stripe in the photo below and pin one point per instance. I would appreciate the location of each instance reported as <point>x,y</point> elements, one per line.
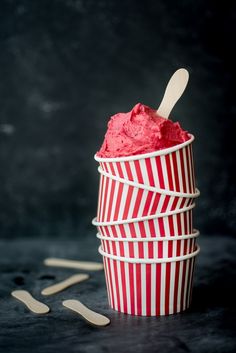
<point>151,228</point>
<point>170,248</point>
<point>132,230</point>
<point>112,169</point>
<point>113,248</point>
<point>185,215</point>
<point>118,201</point>
<point>160,173</point>
<point>150,250</point>
<point>99,198</point>
<point>105,167</point>
<point>165,203</point>
<point>167,289</point>
<point>128,170</point>
<point>122,270</point>
<point>158,288</point>
<point>140,250</point>
<point>122,231</point>
<point>176,286</point>
<point>148,289</point>
<point>182,203</point>
<point>120,172</point>
<point>176,174</point>
<point>150,195</point>
<point>131,249</point>
<point>138,171</point>
<point>138,286</point>
<point>122,250</point>
<point>182,170</point>
<point>149,171</point>
<point>169,172</point>
<point>155,203</point>
<point>173,207</point>
<point>110,197</point>
<point>137,203</point>
<point>178,219</point>
<point>142,229</point>
<point>161,227</point>
<point>113,231</point>
<point>178,247</point>
<point>171,225</point>
<point>160,249</point>
<point>127,201</point>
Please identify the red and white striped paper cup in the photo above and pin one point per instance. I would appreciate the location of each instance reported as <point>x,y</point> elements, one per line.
<point>121,199</point>
<point>170,223</point>
<point>170,169</point>
<point>150,287</point>
<point>144,248</point>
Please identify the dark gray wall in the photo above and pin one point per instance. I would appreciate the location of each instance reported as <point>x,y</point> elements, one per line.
<point>66,66</point>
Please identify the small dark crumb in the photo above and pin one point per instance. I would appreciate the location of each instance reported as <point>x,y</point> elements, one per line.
<point>19,280</point>
<point>47,277</point>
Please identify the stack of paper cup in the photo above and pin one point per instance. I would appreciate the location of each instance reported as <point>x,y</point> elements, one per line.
<point>145,224</point>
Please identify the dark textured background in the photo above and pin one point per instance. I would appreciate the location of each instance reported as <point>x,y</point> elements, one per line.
<point>66,66</point>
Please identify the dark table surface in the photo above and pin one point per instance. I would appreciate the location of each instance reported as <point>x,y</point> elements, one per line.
<point>209,326</point>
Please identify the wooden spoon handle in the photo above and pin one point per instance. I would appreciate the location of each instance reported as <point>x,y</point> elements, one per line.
<point>173,92</point>
<point>58,287</point>
<point>31,303</point>
<point>81,265</point>
<point>91,316</point>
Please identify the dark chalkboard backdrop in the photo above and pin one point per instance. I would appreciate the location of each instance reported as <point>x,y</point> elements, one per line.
<point>66,66</point>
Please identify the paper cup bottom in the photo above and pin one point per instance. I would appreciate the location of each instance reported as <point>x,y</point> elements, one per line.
<point>149,289</point>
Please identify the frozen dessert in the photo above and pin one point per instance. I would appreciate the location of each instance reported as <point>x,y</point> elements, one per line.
<point>140,131</point>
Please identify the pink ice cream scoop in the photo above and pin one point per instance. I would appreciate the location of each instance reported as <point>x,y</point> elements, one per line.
<point>140,131</point>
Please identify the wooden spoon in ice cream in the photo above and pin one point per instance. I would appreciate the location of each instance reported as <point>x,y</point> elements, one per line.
<point>173,92</point>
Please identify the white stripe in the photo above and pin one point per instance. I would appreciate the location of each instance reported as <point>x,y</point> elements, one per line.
<point>136,250</point>
<point>123,201</point>
<point>127,287</point>
<point>151,203</point>
<point>179,171</point>
<point>183,230</point>
<point>143,289</point>
<point>170,203</point>
<point>113,282</point>
<point>122,164</point>
<point>118,232</point>
<point>154,172</point>
<point>172,287</point>
<point>107,198</point>
<point>153,289</point>
<point>165,248</point>
<point>186,284</point>
<point>120,286</point>
<point>133,171</point>
<point>115,169</point>
<point>164,171</point>
<point>137,230</point>
<point>145,250</point>
<point>103,196</point>
<point>186,171</point>
<point>126,230</point>
<point>174,248</point>
<point>179,285</point>
<point>163,288</point>
<point>147,230</point>
<point>144,173</point>
<point>179,202</point>
<point>108,168</point>
<point>126,249</point>
<point>160,203</point>
<point>117,247</point>
<point>132,203</point>
<point>190,169</point>
<point>156,227</point>
<point>142,203</point>
<point>172,171</point>
<point>166,226</point>
<point>114,201</point>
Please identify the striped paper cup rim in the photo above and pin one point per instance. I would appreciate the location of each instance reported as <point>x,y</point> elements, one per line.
<point>149,261</point>
<point>145,218</point>
<point>146,155</point>
<point>149,188</point>
<point>152,239</point>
